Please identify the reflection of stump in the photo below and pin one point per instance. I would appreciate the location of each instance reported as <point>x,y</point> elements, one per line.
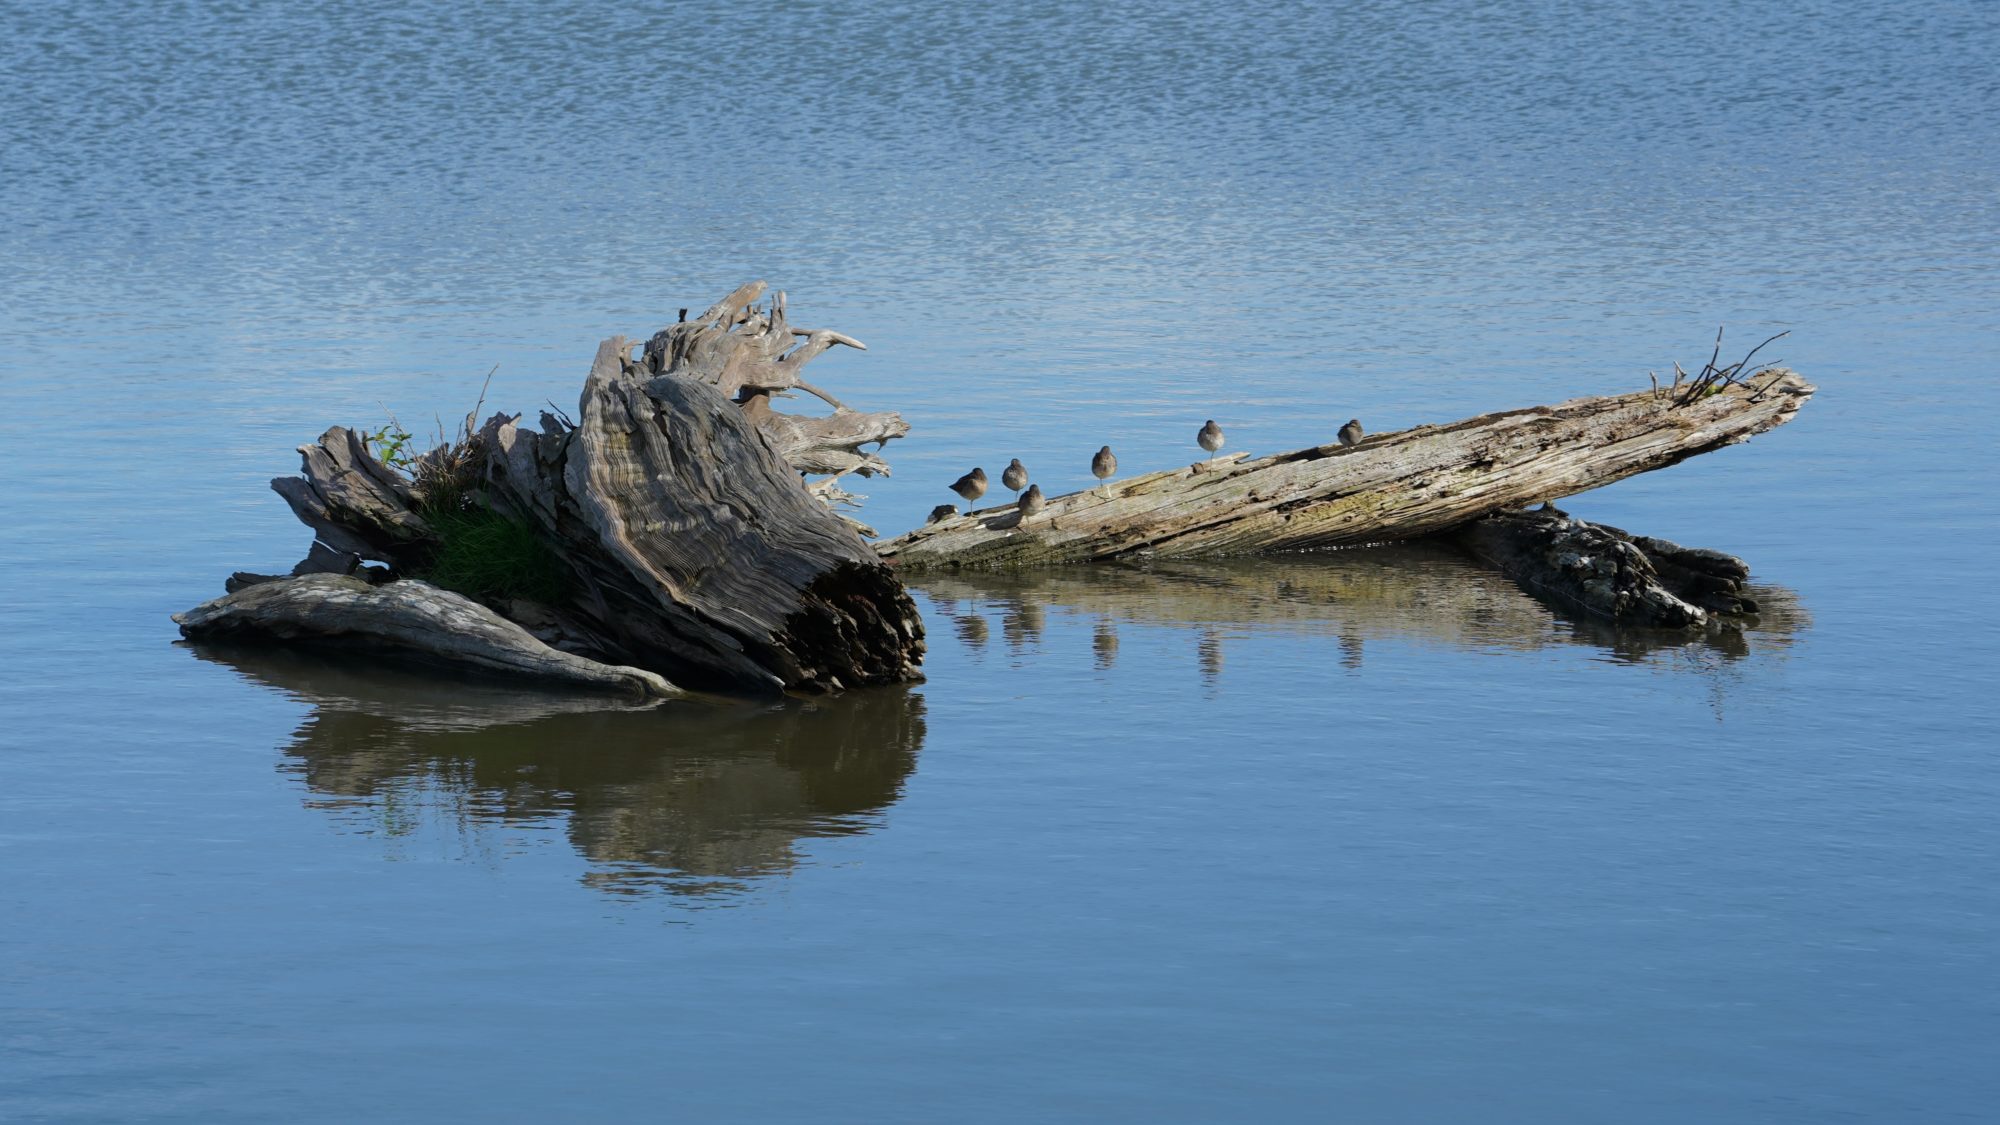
<point>689,797</point>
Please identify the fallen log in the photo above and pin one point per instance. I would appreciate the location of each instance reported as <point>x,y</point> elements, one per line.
<point>410,617</point>
<point>1601,571</point>
<point>1389,487</point>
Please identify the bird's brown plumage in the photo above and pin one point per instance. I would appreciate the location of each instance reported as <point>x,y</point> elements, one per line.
<point>971,486</point>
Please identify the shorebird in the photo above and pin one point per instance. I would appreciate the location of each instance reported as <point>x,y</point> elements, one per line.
<point>1103,465</point>
<point>1350,434</point>
<point>942,512</point>
<point>971,486</point>
<point>1015,477</point>
<point>1210,438</point>
<point>1030,502</point>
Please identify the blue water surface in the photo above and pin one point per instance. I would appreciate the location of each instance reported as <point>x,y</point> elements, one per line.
<point>1360,837</point>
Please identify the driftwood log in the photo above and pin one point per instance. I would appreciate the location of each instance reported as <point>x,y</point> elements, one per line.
<point>699,552</point>
<point>409,617</point>
<point>1390,487</point>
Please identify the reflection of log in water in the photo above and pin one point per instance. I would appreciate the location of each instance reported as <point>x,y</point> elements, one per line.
<point>689,797</point>
<point>1416,591</point>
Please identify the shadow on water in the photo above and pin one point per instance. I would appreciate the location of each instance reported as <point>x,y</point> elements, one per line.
<point>693,798</point>
<point>1407,592</point>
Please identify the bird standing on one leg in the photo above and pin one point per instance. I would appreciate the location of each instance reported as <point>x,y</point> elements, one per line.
<point>1102,466</point>
<point>1210,438</point>
<point>1029,503</point>
<point>970,487</point>
<point>1015,477</point>
<point>1350,434</point>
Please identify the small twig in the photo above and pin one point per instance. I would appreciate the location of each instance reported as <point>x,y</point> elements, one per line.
<point>471,416</point>
<point>1760,347</point>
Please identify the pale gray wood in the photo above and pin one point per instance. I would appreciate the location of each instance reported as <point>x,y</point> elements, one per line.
<point>752,355</point>
<point>353,503</point>
<point>408,616</point>
<point>1389,487</point>
<point>699,551</point>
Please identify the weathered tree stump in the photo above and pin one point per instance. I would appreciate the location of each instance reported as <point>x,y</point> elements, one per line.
<point>675,503</point>
<point>697,548</point>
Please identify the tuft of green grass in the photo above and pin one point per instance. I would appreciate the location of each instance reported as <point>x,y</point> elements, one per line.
<point>483,554</point>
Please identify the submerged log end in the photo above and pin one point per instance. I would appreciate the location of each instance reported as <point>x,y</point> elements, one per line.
<point>411,617</point>
<point>1603,572</point>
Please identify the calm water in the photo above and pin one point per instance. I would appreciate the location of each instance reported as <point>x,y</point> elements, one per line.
<point>1364,837</point>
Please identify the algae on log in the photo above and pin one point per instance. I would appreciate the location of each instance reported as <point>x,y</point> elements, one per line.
<point>406,616</point>
<point>1391,486</point>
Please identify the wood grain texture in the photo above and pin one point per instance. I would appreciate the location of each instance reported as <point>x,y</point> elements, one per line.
<point>698,549</point>
<point>354,503</point>
<point>1389,487</point>
<point>407,616</point>
<point>752,354</point>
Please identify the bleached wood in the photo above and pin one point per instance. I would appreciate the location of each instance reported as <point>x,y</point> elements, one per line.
<point>1390,486</point>
<point>409,616</point>
<point>700,551</point>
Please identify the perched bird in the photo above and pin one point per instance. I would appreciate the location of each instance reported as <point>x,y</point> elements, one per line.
<point>1015,477</point>
<point>1103,465</point>
<point>1210,438</point>
<point>1031,501</point>
<point>942,512</point>
<point>1350,434</point>
<point>971,486</point>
